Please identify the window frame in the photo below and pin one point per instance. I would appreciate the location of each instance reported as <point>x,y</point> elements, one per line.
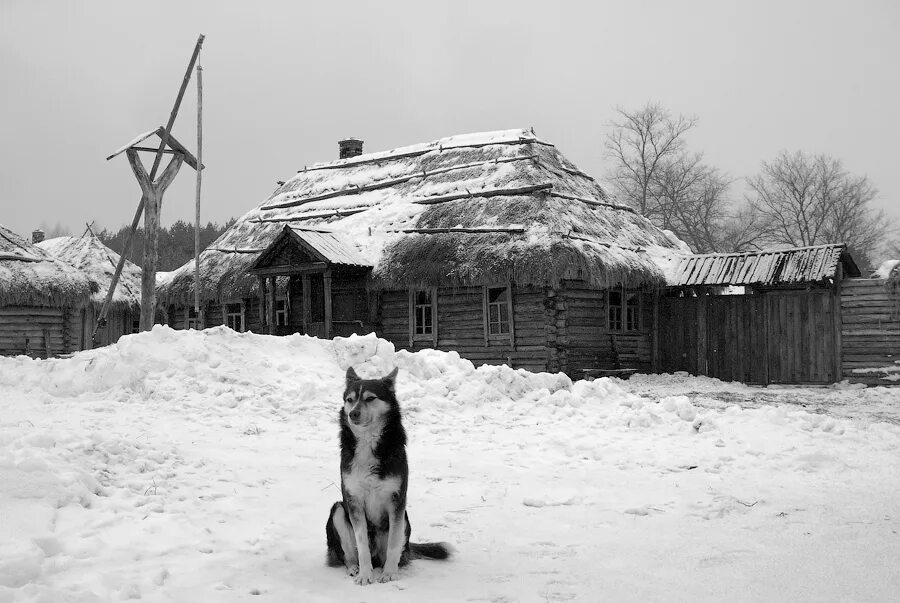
<point>284,312</point>
<point>431,336</point>
<point>239,314</point>
<point>510,334</point>
<point>191,322</point>
<point>628,319</point>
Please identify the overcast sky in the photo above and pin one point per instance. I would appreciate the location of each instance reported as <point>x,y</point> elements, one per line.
<point>284,81</point>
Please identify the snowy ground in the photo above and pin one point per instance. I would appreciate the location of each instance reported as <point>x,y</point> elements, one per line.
<point>184,466</point>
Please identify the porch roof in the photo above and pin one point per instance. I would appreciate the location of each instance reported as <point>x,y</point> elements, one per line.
<point>321,246</point>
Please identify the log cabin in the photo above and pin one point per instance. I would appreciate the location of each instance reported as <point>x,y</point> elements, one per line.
<point>89,255</point>
<point>42,300</point>
<point>493,245</point>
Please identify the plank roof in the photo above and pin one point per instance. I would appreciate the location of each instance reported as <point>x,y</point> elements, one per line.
<point>794,266</point>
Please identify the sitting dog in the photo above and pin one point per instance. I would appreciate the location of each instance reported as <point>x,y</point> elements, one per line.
<point>369,528</point>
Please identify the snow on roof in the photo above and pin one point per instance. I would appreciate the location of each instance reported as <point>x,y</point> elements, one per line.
<point>569,226</point>
<point>89,255</point>
<point>29,276</point>
<point>887,268</point>
<point>768,267</point>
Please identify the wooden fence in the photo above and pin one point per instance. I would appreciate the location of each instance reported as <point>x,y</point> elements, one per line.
<point>870,331</point>
<point>783,336</point>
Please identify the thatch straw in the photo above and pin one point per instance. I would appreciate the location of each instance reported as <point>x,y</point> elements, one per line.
<point>89,255</point>
<point>29,276</point>
<point>496,180</point>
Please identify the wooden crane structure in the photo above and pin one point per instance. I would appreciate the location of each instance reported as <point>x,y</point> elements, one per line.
<point>152,189</point>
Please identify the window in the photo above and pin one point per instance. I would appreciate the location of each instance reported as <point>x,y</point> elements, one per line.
<point>623,310</point>
<point>234,317</point>
<point>281,313</point>
<point>498,310</point>
<point>632,311</point>
<point>614,309</point>
<point>192,321</point>
<point>423,313</point>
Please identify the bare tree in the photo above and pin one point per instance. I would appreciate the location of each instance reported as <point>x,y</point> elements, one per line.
<point>654,173</point>
<point>642,144</point>
<point>808,200</point>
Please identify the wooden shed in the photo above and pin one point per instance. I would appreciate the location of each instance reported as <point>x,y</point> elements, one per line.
<point>490,244</point>
<point>89,255</point>
<point>42,300</point>
<point>771,316</point>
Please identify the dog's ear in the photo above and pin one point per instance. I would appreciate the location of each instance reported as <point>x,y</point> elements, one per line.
<point>390,379</point>
<point>351,375</point>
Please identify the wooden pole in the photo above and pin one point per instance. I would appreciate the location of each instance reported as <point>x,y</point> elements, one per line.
<point>163,141</point>
<point>199,178</point>
<point>152,199</point>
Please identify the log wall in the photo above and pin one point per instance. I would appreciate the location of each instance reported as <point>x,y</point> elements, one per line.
<point>460,325</point>
<point>39,332</point>
<point>585,342</point>
<point>870,330</point>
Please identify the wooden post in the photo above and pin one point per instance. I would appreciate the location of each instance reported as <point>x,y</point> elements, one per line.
<point>163,141</point>
<point>47,351</point>
<point>654,352</point>
<point>485,312</point>
<point>512,321</point>
<point>837,312</point>
<point>270,305</point>
<point>412,316</point>
<point>261,281</point>
<point>702,333</point>
<point>306,305</point>
<point>199,178</point>
<point>152,192</point>
<point>327,278</point>
<point>434,317</point>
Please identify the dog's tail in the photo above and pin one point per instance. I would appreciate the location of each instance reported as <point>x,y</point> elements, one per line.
<point>430,550</point>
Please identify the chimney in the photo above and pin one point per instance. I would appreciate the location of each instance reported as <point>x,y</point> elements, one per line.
<point>37,236</point>
<point>350,147</point>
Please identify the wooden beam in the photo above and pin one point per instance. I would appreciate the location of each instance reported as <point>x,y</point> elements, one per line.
<point>270,304</point>
<point>313,268</point>
<point>327,278</point>
<point>306,304</point>
<point>702,333</point>
<point>261,281</point>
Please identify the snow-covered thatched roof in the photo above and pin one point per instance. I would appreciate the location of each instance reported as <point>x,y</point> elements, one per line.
<point>469,209</point>
<point>91,256</point>
<point>29,276</point>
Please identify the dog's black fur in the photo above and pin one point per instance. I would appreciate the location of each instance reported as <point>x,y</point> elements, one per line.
<point>374,478</point>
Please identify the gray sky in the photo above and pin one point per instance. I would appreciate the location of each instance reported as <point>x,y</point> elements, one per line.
<point>283,81</point>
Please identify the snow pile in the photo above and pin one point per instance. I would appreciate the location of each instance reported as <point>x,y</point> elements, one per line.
<point>187,466</point>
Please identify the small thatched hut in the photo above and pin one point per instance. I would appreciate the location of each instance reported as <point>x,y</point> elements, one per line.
<point>89,255</point>
<point>42,300</point>
<point>491,244</point>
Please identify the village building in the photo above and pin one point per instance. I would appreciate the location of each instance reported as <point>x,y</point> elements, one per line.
<point>43,301</point>
<point>89,255</point>
<point>493,245</point>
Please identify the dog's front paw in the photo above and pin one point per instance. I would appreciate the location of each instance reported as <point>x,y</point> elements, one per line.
<point>352,570</point>
<point>388,575</point>
<point>364,578</point>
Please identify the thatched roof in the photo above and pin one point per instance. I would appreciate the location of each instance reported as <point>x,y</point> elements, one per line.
<point>463,210</point>
<point>91,256</point>
<point>29,276</point>
<point>793,266</point>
